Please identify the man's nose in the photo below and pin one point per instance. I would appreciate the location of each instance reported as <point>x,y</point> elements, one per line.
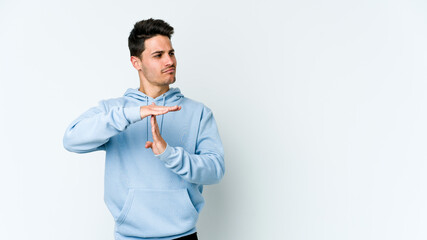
<point>169,60</point>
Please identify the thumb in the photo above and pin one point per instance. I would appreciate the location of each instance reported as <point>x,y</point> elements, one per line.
<point>148,144</point>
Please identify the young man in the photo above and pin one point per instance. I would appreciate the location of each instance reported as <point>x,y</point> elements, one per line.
<point>161,147</point>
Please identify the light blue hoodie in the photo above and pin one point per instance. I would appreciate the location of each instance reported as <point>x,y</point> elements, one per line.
<point>151,196</point>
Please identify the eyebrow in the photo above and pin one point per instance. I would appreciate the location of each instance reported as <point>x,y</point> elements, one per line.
<point>161,52</point>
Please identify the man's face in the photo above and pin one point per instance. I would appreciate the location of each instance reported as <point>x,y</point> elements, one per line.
<point>158,63</point>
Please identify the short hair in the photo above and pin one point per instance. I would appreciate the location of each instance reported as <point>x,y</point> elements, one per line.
<point>144,30</point>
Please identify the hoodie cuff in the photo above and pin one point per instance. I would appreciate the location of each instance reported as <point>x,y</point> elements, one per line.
<point>165,154</point>
<point>132,114</point>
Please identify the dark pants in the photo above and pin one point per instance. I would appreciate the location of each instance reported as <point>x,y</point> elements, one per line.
<point>189,237</point>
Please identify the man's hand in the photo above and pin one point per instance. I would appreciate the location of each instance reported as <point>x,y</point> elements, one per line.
<point>158,145</point>
<point>155,110</point>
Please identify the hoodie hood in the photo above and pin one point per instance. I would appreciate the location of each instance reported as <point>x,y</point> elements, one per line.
<point>168,98</point>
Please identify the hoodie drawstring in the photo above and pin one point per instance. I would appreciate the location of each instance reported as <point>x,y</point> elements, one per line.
<point>146,104</point>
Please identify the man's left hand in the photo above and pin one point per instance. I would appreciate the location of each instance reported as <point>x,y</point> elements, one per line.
<point>158,145</point>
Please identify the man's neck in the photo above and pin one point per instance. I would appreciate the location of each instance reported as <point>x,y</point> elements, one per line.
<point>153,91</point>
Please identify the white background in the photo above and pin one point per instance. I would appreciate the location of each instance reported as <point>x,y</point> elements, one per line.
<point>321,108</point>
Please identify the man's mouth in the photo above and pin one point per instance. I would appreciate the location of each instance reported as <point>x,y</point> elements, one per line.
<point>169,70</point>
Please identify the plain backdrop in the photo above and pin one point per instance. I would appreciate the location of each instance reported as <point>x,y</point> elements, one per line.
<point>321,107</point>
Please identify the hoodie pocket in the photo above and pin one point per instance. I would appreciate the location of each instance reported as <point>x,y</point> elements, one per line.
<point>156,213</point>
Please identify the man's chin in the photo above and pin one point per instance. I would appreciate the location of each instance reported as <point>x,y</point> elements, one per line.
<point>168,82</point>
<point>172,80</point>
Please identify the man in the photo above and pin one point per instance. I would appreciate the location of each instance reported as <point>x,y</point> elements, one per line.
<point>161,147</point>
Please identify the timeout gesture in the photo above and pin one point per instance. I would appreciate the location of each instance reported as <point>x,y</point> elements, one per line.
<point>158,145</point>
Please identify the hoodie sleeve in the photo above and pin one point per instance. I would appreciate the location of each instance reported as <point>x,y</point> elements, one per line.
<point>91,130</point>
<point>206,166</point>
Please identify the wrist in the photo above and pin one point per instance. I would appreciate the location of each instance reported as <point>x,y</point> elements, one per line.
<point>165,153</point>
<point>132,114</point>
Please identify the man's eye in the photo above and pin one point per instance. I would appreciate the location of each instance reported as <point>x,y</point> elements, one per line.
<point>172,53</point>
<point>156,56</point>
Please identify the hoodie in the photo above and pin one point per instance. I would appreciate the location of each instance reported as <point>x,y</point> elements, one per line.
<point>151,196</point>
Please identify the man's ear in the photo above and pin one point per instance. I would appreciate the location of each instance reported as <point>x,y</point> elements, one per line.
<point>136,62</point>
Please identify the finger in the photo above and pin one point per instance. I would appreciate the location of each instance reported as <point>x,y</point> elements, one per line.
<point>160,110</point>
<point>163,110</point>
<point>174,108</point>
<point>148,144</point>
<point>155,128</point>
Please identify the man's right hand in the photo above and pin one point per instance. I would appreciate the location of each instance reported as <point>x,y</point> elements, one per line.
<point>155,110</point>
